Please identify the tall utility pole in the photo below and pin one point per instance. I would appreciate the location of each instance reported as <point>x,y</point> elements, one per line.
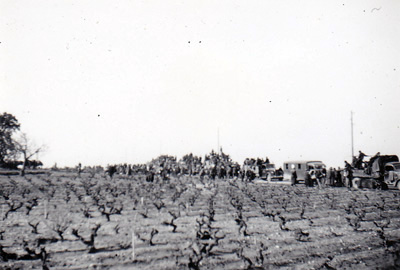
<point>352,137</point>
<point>218,141</point>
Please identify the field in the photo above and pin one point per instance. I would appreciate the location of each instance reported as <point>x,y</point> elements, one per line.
<point>58,220</point>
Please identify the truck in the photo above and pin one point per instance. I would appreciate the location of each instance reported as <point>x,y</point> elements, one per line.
<point>270,173</point>
<point>301,167</point>
<point>380,171</point>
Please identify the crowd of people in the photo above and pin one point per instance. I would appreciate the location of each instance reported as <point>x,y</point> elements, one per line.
<point>220,165</point>
<point>332,177</point>
<point>214,165</point>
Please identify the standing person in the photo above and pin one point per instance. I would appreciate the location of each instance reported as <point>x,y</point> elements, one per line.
<point>129,170</point>
<point>349,173</point>
<point>229,171</point>
<point>213,172</point>
<point>330,176</point>
<point>338,177</point>
<point>313,177</point>
<point>307,179</point>
<point>318,178</point>
<point>324,177</point>
<point>245,168</point>
<point>360,159</point>
<point>79,169</point>
<point>293,178</point>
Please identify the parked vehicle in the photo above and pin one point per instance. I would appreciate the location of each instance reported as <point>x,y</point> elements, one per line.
<point>301,167</point>
<point>270,173</point>
<point>392,174</point>
<point>381,171</point>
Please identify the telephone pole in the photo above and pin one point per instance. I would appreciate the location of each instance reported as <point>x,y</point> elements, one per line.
<point>352,137</point>
<point>218,141</point>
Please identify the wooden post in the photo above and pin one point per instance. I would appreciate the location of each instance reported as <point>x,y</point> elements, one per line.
<point>218,150</point>
<point>45,209</point>
<point>133,244</point>
<point>352,138</point>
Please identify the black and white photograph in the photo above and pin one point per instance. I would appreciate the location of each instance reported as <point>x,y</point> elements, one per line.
<point>199,134</point>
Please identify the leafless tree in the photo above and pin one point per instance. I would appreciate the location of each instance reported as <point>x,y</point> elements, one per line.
<point>27,149</point>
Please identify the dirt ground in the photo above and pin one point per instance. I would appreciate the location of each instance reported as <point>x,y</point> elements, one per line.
<point>59,220</point>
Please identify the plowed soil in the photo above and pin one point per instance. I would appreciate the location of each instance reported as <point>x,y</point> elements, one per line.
<point>59,220</point>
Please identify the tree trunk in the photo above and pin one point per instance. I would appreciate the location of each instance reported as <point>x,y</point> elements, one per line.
<point>22,172</point>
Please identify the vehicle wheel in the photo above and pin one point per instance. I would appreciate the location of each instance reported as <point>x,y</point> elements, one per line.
<point>306,182</point>
<point>383,186</point>
<point>370,183</point>
<point>356,183</point>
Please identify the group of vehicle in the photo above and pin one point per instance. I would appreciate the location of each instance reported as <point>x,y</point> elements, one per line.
<point>379,171</point>
<point>301,167</point>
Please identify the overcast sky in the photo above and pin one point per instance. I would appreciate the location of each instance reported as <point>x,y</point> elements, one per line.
<point>104,82</point>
